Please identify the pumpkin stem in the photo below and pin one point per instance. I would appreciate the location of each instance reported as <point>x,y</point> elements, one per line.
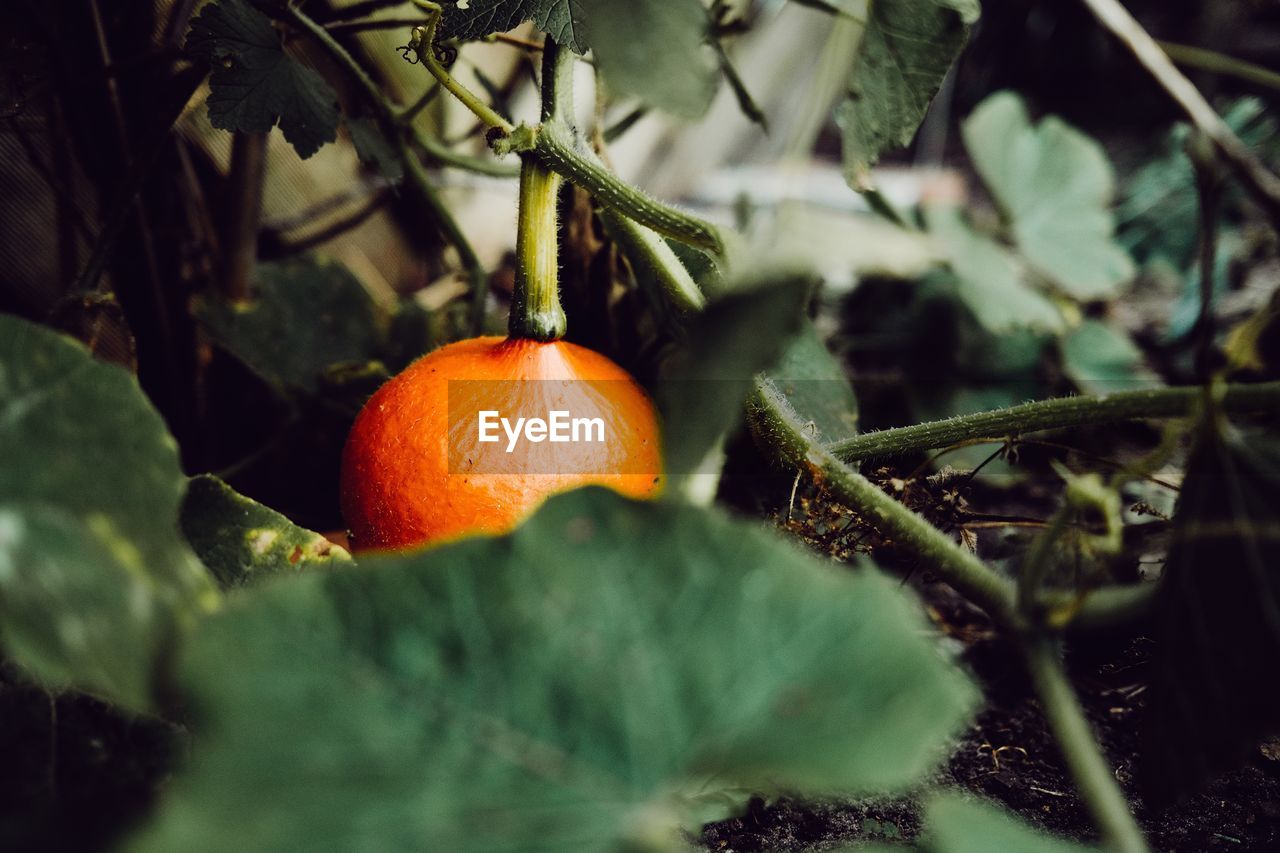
<point>536,312</point>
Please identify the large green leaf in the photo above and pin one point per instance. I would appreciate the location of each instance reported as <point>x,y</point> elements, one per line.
<point>94,576</point>
<point>612,672</point>
<point>906,50</point>
<point>1055,186</point>
<point>1217,622</point>
<point>706,381</point>
<point>305,317</point>
<point>655,50</point>
<point>241,541</point>
<point>254,85</point>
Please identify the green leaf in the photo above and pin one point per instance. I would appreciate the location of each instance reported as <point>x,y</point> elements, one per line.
<point>653,49</point>
<point>954,824</point>
<point>906,50</point>
<point>94,577</point>
<point>1217,614</point>
<point>987,278</point>
<point>1101,359</point>
<point>306,316</point>
<point>241,541</point>
<point>1055,185</point>
<point>374,150</point>
<point>597,679</point>
<point>480,18</point>
<point>254,85</point>
<point>815,383</point>
<point>706,381</point>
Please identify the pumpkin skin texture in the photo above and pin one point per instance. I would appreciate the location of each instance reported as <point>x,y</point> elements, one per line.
<point>414,473</point>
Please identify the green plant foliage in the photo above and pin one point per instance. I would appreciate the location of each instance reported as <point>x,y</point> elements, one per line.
<point>988,279</point>
<point>305,317</point>
<point>1100,358</point>
<point>817,387</point>
<point>597,681</point>
<point>1217,620</point>
<point>242,541</point>
<point>906,50</point>
<point>706,381</point>
<point>653,49</point>
<point>1054,185</point>
<point>954,824</point>
<point>254,85</point>
<point>94,577</point>
<point>374,150</point>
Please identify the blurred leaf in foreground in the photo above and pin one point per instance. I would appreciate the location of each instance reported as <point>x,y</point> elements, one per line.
<point>94,576</point>
<point>906,50</point>
<point>305,317</point>
<point>954,824</point>
<point>599,680</point>
<point>241,541</point>
<point>1213,693</point>
<point>254,85</point>
<point>1054,185</point>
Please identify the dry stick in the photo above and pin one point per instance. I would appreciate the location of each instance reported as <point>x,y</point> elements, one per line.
<point>1260,183</point>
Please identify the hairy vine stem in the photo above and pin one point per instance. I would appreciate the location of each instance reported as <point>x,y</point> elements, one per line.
<point>1053,414</point>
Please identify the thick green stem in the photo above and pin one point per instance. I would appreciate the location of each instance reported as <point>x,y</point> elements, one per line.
<point>535,304</point>
<point>1093,776</point>
<point>1053,414</point>
<point>556,148</point>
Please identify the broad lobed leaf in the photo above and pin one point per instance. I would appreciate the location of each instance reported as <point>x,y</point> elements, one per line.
<point>1055,185</point>
<point>254,85</point>
<point>589,682</point>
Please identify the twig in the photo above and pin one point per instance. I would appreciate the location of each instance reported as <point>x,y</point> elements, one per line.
<point>1088,766</point>
<point>1261,184</point>
<point>1208,187</point>
<point>334,229</point>
<point>1053,414</point>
